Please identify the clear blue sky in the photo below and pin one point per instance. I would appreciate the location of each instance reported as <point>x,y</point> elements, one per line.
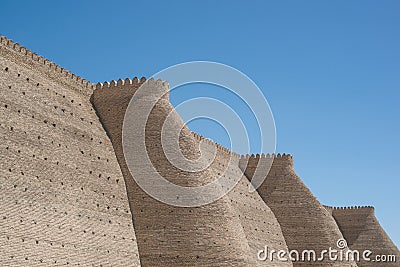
<point>329,69</point>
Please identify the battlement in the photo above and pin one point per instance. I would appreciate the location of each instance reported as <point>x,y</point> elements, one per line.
<point>247,157</point>
<point>127,82</point>
<point>219,147</point>
<point>268,156</point>
<point>333,210</point>
<point>30,58</point>
<point>279,160</point>
<point>352,208</point>
<point>128,87</point>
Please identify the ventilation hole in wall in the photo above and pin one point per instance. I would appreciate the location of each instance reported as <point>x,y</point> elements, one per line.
<point>37,84</point>
<point>72,101</point>
<point>63,110</point>
<point>63,96</point>
<point>19,74</point>
<point>38,137</point>
<point>90,172</point>
<point>22,173</point>
<point>45,121</point>
<point>12,128</point>
<point>91,122</point>
<point>117,180</point>
<point>5,106</point>
<point>82,188</point>
<point>72,114</point>
<point>83,135</point>
<point>9,170</point>
<point>27,79</point>
<point>108,178</point>
<point>6,69</point>
<point>45,158</point>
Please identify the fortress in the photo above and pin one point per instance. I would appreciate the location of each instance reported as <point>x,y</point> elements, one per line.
<point>68,198</point>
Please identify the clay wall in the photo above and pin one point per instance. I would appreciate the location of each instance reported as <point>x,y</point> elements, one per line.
<point>209,235</point>
<point>63,197</point>
<point>257,220</point>
<point>362,231</point>
<point>305,223</point>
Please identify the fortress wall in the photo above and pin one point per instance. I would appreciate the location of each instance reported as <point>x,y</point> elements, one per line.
<point>47,69</point>
<point>209,235</point>
<point>305,223</point>
<point>62,194</point>
<point>362,231</point>
<point>258,221</point>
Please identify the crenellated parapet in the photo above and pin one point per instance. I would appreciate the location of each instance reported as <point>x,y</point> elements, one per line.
<point>152,88</point>
<point>33,60</point>
<point>332,209</point>
<point>288,158</point>
<point>353,208</point>
<point>127,82</point>
<point>265,162</point>
<point>221,148</point>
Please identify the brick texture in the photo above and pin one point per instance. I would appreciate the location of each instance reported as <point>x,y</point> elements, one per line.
<point>305,223</point>
<point>63,197</point>
<point>363,232</point>
<point>69,199</point>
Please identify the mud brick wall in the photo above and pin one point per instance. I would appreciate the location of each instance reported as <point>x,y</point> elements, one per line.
<point>209,235</point>
<point>257,220</point>
<point>62,195</point>
<point>67,197</point>
<point>363,232</point>
<point>305,223</point>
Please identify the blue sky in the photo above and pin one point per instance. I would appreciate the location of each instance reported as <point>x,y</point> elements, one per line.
<point>329,70</point>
